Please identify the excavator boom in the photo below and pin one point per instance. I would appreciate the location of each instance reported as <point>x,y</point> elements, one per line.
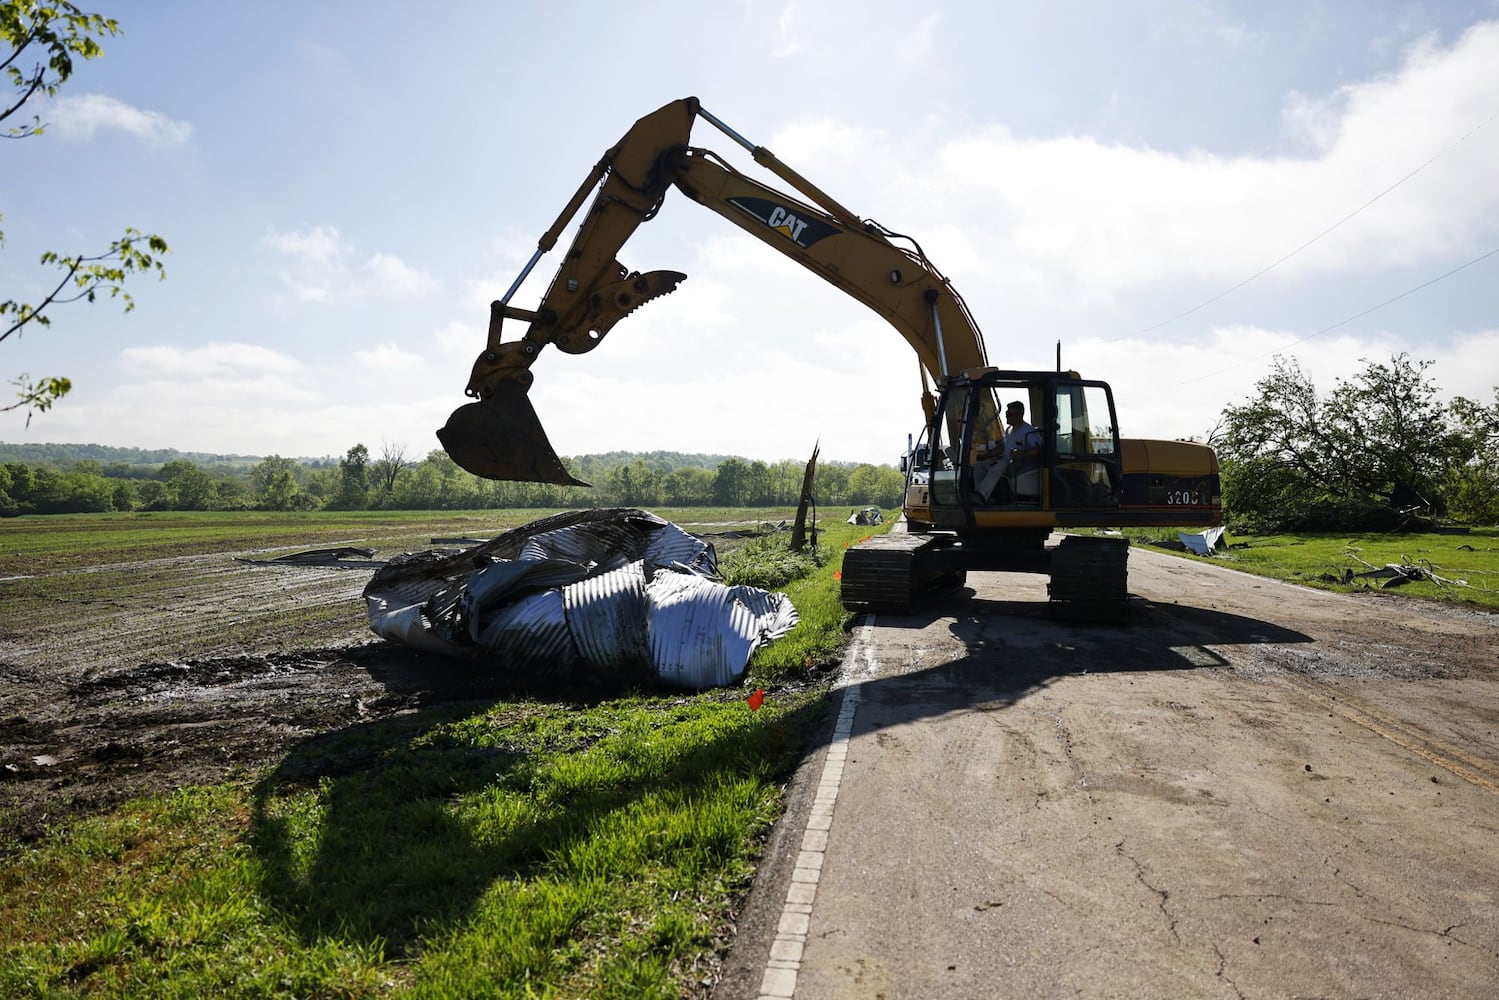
<point>499,435</point>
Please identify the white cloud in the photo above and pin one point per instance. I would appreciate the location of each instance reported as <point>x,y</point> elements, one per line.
<point>208,361</point>
<point>79,116</point>
<point>1312,123</point>
<point>325,267</point>
<point>388,357</point>
<point>396,276</point>
<point>1084,220</point>
<point>313,246</point>
<point>1235,35</point>
<point>461,338</point>
<point>242,399</point>
<point>789,31</point>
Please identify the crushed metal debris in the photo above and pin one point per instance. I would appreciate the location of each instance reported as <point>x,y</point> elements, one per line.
<point>615,596</point>
<point>342,557</point>
<point>1398,574</point>
<point>1203,543</point>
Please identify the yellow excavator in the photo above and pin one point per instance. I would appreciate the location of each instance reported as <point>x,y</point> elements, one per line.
<point>969,505</point>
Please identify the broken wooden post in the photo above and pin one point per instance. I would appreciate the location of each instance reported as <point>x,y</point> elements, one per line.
<point>798,529</point>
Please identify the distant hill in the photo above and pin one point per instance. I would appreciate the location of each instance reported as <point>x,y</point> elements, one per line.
<point>656,461</point>
<point>63,456</point>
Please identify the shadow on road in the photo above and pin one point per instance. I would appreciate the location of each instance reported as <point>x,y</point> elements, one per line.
<point>1013,648</point>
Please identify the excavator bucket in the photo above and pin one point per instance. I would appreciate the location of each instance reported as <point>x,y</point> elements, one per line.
<point>501,438</point>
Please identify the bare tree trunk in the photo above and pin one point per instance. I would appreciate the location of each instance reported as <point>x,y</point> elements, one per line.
<point>798,529</point>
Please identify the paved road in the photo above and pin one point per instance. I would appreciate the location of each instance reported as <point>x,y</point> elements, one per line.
<point>1254,790</point>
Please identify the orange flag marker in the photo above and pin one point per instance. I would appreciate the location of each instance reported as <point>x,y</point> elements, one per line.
<point>756,700</point>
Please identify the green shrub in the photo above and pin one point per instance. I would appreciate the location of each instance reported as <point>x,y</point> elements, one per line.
<point>768,563</point>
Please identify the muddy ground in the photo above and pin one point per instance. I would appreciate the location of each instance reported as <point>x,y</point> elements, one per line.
<point>124,680</point>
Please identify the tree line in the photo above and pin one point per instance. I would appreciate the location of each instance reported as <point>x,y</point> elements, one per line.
<point>391,481</point>
<point>1378,451</point>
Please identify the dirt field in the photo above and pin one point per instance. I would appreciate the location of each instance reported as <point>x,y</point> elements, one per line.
<point>121,680</point>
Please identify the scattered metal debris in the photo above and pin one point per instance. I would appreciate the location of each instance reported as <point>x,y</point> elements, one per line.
<point>1204,543</point>
<point>615,596</point>
<point>869,515</point>
<point>342,557</point>
<point>1399,574</point>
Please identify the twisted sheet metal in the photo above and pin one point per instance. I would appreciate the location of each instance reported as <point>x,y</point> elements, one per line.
<point>497,584</point>
<point>615,595</point>
<point>671,546</point>
<point>703,632</point>
<point>607,616</point>
<point>531,635</point>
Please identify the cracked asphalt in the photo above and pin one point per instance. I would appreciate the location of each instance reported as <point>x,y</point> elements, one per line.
<point>1253,790</point>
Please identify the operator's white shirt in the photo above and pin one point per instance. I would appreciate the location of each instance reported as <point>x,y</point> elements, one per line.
<point>1024,436</point>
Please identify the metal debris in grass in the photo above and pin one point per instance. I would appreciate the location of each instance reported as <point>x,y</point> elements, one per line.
<point>614,595</point>
<point>1399,574</point>
<point>340,557</point>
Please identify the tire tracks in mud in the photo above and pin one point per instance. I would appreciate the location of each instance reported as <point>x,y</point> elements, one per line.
<point>192,606</point>
<point>126,679</point>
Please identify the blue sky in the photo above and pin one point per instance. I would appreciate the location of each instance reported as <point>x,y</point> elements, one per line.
<point>347,185</point>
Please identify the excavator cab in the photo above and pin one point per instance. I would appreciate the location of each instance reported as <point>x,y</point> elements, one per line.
<point>969,472</point>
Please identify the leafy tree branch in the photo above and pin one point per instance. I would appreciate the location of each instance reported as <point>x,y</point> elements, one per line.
<point>89,277</point>
<point>53,33</point>
<point>60,30</point>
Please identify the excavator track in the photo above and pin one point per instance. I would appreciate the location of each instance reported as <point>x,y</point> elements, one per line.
<point>888,573</point>
<point>1089,580</point>
<point>877,574</point>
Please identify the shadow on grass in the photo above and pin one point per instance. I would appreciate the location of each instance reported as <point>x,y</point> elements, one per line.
<point>392,831</point>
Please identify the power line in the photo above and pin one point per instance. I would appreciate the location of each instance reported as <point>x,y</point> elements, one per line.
<point>1276,263</point>
<point>1334,326</point>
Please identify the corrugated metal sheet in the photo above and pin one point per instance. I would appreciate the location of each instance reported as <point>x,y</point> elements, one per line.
<point>404,623</point>
<point>772,614</point>
<point>702,632</point>
<point>498,583</point>
<point>607,617</point>
<point>686,629</point>
<point>531,635</point>
<point>671,546</point>
<point>608,541</point>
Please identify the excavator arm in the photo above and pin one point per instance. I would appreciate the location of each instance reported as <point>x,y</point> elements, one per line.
<point>499,435</point>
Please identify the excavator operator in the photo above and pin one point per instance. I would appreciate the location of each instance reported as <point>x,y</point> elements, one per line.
<point>1023,442</point>
<point>1001,465</point>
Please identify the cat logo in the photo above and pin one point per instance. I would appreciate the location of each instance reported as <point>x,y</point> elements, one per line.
<point>802,231</point>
